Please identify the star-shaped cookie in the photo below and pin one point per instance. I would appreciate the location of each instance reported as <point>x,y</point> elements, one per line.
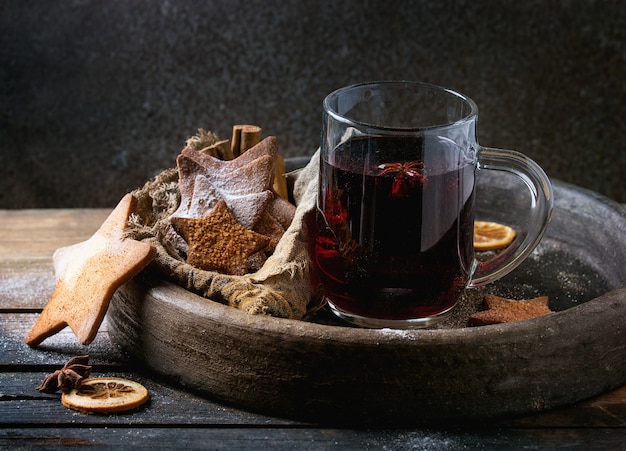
<point>256,167</point>
<point>257,161</point>
<point>246,208</point>
<point>88,274</point>
<point>217,242</point>
<point>503,310</point>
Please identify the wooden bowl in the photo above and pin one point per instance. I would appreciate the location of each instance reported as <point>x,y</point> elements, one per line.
<point>324,371</point>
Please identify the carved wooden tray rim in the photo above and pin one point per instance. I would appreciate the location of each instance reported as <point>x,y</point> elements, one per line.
<point>344,375</point>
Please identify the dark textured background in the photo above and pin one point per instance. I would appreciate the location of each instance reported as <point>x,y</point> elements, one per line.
<point>96,96</point>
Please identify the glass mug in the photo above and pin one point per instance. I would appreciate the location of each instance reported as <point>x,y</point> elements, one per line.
<point>393,237</point>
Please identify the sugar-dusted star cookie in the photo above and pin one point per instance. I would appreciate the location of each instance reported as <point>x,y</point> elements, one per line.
<point>256,167</point>
<point>246,208</point>
<point>255,158</point>
<point>503,310</point>
<point>204,195</point>
<point>88,274</point>
<point>217,242</point>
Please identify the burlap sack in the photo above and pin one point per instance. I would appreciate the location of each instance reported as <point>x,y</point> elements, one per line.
<point>280,288</point>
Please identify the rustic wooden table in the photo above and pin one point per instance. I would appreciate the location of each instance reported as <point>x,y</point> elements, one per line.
<point>176,418</point>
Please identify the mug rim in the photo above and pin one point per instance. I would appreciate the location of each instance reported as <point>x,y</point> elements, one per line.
<point>470,116</point>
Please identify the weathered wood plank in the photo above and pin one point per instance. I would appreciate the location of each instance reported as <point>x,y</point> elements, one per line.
<point>29,238</point>
<point>26,284</point>
<point>172,405</point>
<point>604,411</point>
<point>21,405</point>
<point>176,417</point>
<point>55,350</point>
<point>28,234</point>
<point>303,438</point>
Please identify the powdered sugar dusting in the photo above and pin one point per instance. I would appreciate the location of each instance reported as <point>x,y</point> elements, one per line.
<point>400,333</point>
<point>26,289</point>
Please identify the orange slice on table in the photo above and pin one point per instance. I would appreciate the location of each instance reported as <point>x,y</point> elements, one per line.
<point>490,236</point>
<point>105,395</point>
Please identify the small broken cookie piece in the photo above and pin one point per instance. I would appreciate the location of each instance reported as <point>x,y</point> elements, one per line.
<point>217,242</point>
<point>503,310</point>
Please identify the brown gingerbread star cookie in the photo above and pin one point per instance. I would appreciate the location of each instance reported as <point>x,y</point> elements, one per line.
<point>271,228</point>
<point>503,310</point>
<point>282,210</point>
<point>217,242</point>
<point>275,220</point>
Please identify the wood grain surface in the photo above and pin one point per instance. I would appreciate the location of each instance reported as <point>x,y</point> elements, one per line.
<point>176,416</point>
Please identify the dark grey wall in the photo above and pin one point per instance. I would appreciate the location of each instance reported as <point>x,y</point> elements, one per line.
<point>96,96</point>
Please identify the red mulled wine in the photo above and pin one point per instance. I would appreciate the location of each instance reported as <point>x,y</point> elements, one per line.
<point>395,227</point>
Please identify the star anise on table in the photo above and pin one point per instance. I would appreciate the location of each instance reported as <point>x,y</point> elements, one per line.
<point>68,377</point>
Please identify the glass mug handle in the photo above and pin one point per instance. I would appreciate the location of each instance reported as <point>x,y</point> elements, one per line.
<point>541,205</point>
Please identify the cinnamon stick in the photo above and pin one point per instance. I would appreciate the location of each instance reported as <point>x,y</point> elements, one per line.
<point>220,149</point>
<point>244,137</point>
<point>279,185</point>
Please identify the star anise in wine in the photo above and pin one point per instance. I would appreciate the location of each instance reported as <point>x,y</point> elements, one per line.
<point>68,377</point>
<point>406,175</point>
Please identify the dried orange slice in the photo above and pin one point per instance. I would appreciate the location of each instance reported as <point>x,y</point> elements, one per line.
<point>105,395</point>
<point>492,235</point>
